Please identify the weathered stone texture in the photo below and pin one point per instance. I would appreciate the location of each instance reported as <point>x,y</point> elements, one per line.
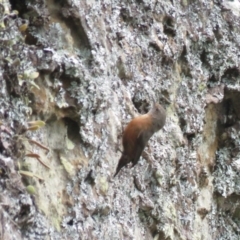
<point>85,68</point>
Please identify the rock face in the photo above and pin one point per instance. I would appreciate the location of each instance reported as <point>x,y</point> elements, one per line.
<point>84,69</point>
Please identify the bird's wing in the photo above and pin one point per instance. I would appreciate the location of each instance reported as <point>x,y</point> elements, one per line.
<point>139,146</point>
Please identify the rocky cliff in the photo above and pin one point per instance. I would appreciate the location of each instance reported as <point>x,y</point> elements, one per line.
<point>74,73</point>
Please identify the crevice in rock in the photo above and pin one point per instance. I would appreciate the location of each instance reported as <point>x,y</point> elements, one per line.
<point>231,75</point>
<point>203,58</point>
<point>62,12</point>
<point>20,6</point>
<point>229,113</point>
<point>167,62</point>
<point>182,123</point>
<point>183,62</point>
<point>226,170</point>
<point>226,204</point>
<point>155,46</point>
<point>212,81</point>
<point>217,32</point>
<point>142,106</point>
<point>72,130</point>
<point>169,26</point>
<point>126,15</point>
<point>29,15</point>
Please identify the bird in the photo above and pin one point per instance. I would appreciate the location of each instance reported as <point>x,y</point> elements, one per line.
<point>138,132</point>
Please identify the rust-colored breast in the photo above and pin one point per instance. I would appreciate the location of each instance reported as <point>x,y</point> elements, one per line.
<point>132,133</point>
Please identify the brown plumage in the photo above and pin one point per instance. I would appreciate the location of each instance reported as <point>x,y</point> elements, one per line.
<point>138,132</point>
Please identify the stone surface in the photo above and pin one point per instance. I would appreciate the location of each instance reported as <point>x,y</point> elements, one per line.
<point>85,69</point>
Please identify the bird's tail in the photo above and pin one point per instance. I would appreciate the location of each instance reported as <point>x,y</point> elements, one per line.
<point>124,160</point>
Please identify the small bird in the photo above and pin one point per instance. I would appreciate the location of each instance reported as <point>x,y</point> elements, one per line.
<point>138,132</point>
